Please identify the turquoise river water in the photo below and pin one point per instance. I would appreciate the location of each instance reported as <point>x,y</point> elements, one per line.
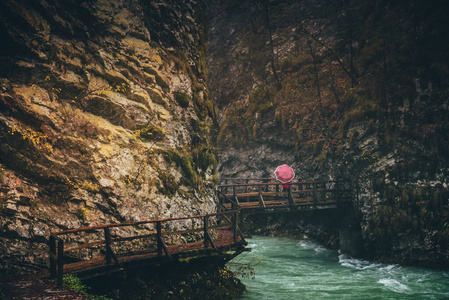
<point>287,268</point>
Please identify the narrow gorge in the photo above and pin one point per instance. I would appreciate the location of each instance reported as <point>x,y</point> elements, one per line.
<point>126,111</point>
<point>341,90</point>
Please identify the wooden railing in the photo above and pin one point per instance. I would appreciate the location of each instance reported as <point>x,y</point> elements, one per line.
<point>267,192</point>
<point>63,242</point>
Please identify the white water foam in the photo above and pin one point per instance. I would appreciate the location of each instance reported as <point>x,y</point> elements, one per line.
<point>308,245</point>
<point>358,264</point>
<point>395,286</point>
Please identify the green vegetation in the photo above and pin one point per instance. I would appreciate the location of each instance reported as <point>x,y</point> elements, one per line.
<point>182,99</point>
<point>193,163</point>
<point>82,213</point>
<point>150,132</point>
<point>169,185</point>
<point>73,283</point>
<point>185,161</point>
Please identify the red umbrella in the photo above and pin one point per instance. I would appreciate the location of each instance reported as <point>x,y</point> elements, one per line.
<point>284,173</point>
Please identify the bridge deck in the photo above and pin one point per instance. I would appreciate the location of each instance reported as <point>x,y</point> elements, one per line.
<point>252,194</point>
<point>225,241</point>
<point>298,203</point>
<point>214,235</point>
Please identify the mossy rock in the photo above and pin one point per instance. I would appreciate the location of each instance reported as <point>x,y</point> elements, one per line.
<point>182,99</point>
<point>150,132</point>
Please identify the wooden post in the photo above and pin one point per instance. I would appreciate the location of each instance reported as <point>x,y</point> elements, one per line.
<point>277,191</point>
<point>235,198</point>
<point>315,193</point>
<point>107,239</point>
<point>338,196</point>
<point>246,189</point>
<point>60,275</point>
<point>220,201</point>
<point>207,238</point>
<point>226,188</point>
<point>236,226</point>
<point>205,226</point>
<point>261,202</point>
<point>52,245</point>
<point>159,238</point>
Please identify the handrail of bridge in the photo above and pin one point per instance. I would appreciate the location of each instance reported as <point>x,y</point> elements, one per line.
<point>271,180</point>
<point>57,247</point>
<point>317,190</point>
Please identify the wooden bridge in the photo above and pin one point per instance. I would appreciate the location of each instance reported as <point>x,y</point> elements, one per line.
<point>254,195</point>
<point>160,240</point>
<point>122,246</point>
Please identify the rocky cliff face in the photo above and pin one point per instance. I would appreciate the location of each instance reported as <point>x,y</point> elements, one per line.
<point>105,114</point>
<point>341,90</point>
<point>104,118</point>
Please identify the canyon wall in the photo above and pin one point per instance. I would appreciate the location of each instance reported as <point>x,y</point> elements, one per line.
<point>105,113</point>
<point>104,118</point>
<point>341,90</point>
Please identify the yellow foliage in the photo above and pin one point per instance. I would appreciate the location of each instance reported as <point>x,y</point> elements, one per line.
<point>38,139</point>
<point>86,185</point>
<point>83,213</point>
<point>90,186</point>
<point>224,273</point>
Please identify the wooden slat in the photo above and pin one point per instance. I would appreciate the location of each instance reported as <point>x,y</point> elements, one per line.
<point>74,267</point>
<point>130,238</point>
<point>86,245</point>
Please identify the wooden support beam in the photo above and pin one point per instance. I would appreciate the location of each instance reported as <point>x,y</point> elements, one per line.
<point>246,190</point>
<point>226,188</point>
<point>53,257</point>
<point>236,226</point>
<point>109,251</point>
<point>160,243</point>
<point>159,238</point>
<point>261,202</point>
<point>235,196</point>
<point>205,225</point>
<point>207,238</point>
<point>107,238</point>
<point>316,196</point>
<point>236,199</point>
<point>60,275</point>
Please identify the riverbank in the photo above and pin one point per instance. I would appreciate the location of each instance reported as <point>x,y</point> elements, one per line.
<point>35,285</point>
<point>166,283</point>
<point>170,281</point>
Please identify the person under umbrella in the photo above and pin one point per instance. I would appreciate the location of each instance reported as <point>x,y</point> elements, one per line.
<point>285,175</point>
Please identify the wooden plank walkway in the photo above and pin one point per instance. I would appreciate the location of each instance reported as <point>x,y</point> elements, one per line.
<point>208,234</point>
<point>115,247</point>
<point>256,194</point>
